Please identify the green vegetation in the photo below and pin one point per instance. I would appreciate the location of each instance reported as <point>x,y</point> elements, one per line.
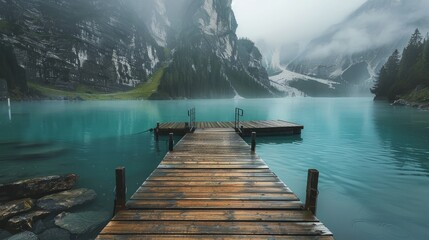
<point>418,95</point>
<point>143,91</point>
<point>406,77</point>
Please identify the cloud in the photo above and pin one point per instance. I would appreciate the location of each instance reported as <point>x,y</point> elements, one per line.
<point>279,22</point>
<point>374,28</point>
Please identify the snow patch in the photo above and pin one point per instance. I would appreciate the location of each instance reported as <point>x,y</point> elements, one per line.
<point>152,56</point>
<point>286,76</point>
<point>209,27</point>
<point>115,62</point>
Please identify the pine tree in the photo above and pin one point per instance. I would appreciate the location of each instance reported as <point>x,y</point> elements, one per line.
<point>387,76</point>
<point>410,57</point>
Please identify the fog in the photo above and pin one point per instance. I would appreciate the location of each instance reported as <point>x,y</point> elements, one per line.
<point>286,22</point>
<point>297,22</point>
<point>376,28</point>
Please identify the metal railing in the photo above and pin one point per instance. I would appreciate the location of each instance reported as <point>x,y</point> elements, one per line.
<point>191,114</point>
<point>238,113</point>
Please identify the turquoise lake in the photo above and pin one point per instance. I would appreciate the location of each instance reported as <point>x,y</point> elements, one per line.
<point>373,158</point>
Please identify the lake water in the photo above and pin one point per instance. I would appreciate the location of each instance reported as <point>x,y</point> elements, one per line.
<point>373,158</point>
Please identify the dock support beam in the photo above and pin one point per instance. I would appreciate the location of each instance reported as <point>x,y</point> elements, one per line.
<point>170,142</point>
<point>253,146</point>
<point>120,190</point>
<point>312,192</point>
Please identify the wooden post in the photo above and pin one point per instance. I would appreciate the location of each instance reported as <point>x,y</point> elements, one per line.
<point>312,192</point>
<point>253,146</point>
<point>156,132</point>
<point>170,142</point>
<point>120,190</point>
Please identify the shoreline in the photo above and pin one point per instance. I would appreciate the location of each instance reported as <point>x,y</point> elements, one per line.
<point>417,105</point>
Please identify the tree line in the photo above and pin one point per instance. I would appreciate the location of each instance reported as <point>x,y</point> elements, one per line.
<point>403,73</point>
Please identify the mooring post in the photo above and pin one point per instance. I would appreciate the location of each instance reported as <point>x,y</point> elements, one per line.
<point>8,102</point>
<point>170,142</point>
<point>253,146</point>
<point>120,190</point>
<point>312,192</point>
<point>156,132</point>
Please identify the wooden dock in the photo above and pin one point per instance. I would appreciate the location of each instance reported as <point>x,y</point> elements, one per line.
<point>266,127</point>
<point>211,186</point>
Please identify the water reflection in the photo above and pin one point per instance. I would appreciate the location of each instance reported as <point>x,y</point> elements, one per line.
<point>404,131</point>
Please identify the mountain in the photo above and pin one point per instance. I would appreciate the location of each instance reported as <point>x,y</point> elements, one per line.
<point>104,46</point>
<point>209,57</point>
<point>352,52</point>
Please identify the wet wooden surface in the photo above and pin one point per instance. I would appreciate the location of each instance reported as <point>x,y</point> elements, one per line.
<point>263,127</point>
<point>212,187</point>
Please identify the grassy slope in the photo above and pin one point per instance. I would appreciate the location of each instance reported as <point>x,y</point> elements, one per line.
<point>418,96</point>
<point>143,91</point>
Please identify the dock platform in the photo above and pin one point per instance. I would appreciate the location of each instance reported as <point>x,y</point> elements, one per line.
<point>212,186</point>
<point>266,127</point>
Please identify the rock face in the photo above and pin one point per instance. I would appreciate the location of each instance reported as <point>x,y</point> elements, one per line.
<point>25,221</point>
<point>23,236</point>
<point>66,199</point>
<point>37,187</point>
<point>79,223</point>
<point>116,45</point>
<point>13,208</point>
<point>206,63</point>
<point>66,43</point>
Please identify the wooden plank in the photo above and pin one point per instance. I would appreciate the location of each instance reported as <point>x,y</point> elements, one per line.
<point>219,196</point>
<point>218,215</point>
<point>216,189</point>
<point>211,184</point>
<point>212,204</point>
<point>216,228</point>
<point>209,237</point>
<point>206,178</point>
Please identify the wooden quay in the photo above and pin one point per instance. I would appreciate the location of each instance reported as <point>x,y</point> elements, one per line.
<point>244,128</point>
<point>213,185</point>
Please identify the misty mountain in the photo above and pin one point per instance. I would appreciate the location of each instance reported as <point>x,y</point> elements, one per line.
<point>110,46</point>
<point>352,52</point>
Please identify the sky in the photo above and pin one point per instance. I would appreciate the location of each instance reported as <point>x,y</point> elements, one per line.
<point>289,21</point>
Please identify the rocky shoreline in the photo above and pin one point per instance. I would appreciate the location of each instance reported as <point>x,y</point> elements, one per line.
<point>45,208</point>
<point>418,105</point>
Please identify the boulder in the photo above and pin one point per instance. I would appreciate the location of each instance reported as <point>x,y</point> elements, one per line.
<point>26,221</point>
<point>37,187</point>
<point>39,226</point>
<point>16,207</point>
<point>54,234</point>
<point>66,199</point>
<point>24,236</point>
<point>82,222</point>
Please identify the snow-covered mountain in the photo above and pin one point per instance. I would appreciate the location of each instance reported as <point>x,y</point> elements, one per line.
<point>353,51</point>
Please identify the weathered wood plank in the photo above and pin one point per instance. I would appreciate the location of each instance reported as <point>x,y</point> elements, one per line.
<point>219,196</point>
<point>205,178</point>
<point>216,189</point>
<point>209,237</point>
<point>217,215</point>
<point>212,204</point>
<point>216,228</point>
<point>211,184</point>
